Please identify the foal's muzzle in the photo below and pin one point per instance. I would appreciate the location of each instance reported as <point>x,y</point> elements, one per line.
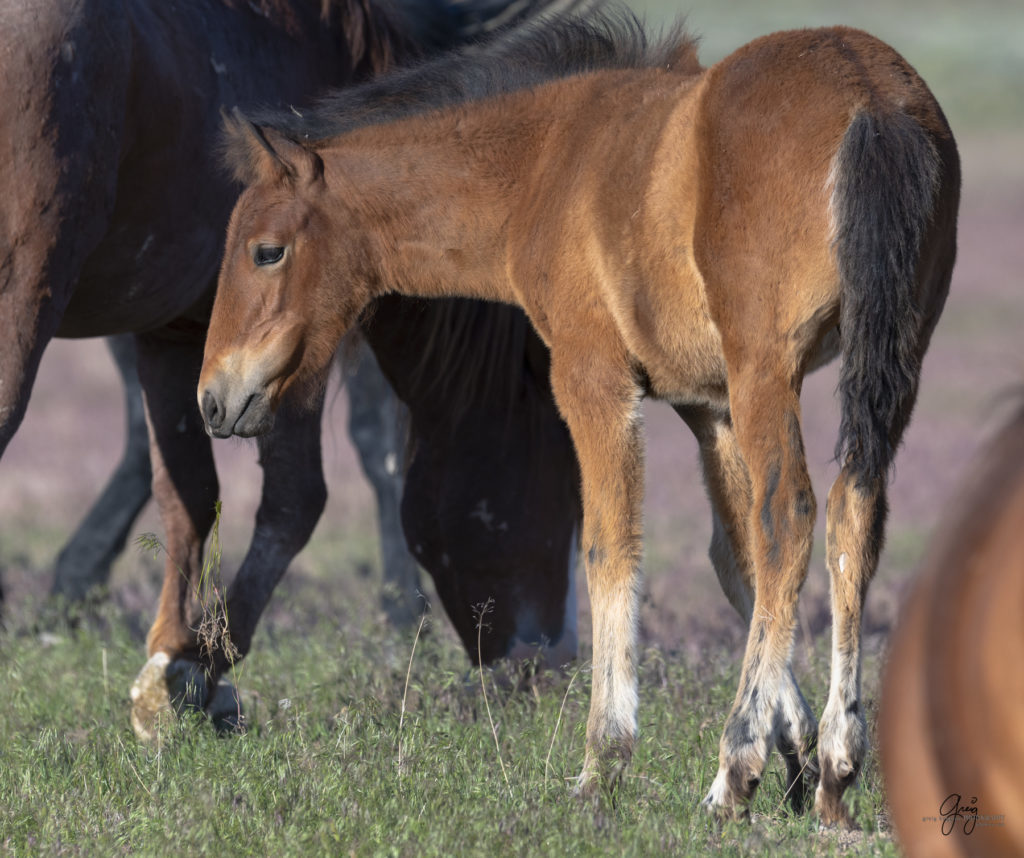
<point>226,413</point>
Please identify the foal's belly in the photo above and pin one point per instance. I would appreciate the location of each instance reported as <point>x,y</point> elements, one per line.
<point>673,338</point>
<point>699,379</point>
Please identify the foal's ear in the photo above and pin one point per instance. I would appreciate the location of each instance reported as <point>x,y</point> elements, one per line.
<point>261,153</point>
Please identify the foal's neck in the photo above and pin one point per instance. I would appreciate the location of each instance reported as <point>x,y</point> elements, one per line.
<point>432,197</point>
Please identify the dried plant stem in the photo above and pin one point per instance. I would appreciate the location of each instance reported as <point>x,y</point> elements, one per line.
<point>213,630</point>
<point>558,722</point>
<point>483,687</point>
<point>405,691</point>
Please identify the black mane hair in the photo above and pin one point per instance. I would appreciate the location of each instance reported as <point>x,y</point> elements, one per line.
<point>541,50</point>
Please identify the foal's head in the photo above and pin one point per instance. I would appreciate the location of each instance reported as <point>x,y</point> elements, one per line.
<point>289,284</point>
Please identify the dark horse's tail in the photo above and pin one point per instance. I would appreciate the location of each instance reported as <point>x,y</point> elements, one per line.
<point>886,184</point>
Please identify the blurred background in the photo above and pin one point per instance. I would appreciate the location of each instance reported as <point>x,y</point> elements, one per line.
<point>972,56</point>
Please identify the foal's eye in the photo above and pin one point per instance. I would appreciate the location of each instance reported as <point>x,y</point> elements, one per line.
<point>267,254</point>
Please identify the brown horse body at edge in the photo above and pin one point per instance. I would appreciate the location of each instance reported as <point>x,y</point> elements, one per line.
<point>701,236</point>
<point>951,722</point>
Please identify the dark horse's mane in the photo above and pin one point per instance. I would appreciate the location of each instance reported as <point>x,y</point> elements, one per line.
<point>381,34</point>
<point>478,351</point>
<point>529,55</point>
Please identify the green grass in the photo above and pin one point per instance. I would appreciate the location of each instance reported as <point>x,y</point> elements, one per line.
<point>331,766</point>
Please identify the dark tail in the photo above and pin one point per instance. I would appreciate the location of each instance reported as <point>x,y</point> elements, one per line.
<point>887,175</point>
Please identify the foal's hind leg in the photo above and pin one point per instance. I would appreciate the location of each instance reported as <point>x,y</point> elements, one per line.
<point>766,416</point>
<point>856,515</point>
<point>728,484</point>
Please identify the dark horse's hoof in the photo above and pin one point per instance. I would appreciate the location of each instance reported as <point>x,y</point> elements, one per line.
<point>164,689</point>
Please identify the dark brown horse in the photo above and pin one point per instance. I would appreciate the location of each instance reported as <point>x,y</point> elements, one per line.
<point>375,426</point>
<point>84,562</point>
<point>952,718</point>
<point>113,214</point>
<point>706,237</point>
<point>475,379</point>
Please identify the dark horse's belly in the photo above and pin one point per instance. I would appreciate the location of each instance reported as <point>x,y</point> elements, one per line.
<point>167,213</point>
<point>143,276</point>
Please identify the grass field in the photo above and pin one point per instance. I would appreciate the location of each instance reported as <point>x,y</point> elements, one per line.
<point>333,764</point>
<point>350,749</point>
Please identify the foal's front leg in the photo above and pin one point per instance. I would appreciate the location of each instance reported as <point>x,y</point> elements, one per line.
<point>600,403</point>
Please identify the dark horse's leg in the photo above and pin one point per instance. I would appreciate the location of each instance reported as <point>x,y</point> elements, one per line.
<point>376,420</point>
<point>186,490</point>
<point>294,496</point>
<point>186,647</point>
<point>86,559</point>
<point>377,424</point>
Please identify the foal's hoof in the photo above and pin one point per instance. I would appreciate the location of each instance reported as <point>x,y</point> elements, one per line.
<point>729,796</point>
<point>586,786</point>
<point>162,691</point>
<point>833,813</point>
<point>836,777</point>
<point>604,769</point>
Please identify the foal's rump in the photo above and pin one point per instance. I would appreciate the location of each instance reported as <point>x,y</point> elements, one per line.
<point>799,187</point>
<point>822,153</point>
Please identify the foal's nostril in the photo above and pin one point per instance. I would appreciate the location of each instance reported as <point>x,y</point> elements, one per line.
<point>213,414</point>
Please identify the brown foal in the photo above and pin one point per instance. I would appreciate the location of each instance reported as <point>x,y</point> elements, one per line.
<point>701,236</point>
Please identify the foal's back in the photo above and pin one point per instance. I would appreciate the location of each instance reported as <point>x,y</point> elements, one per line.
<point>702,200</point>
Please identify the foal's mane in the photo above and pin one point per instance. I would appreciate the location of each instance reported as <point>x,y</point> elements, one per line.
<point>542,50</point>
<point>476,352</point>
